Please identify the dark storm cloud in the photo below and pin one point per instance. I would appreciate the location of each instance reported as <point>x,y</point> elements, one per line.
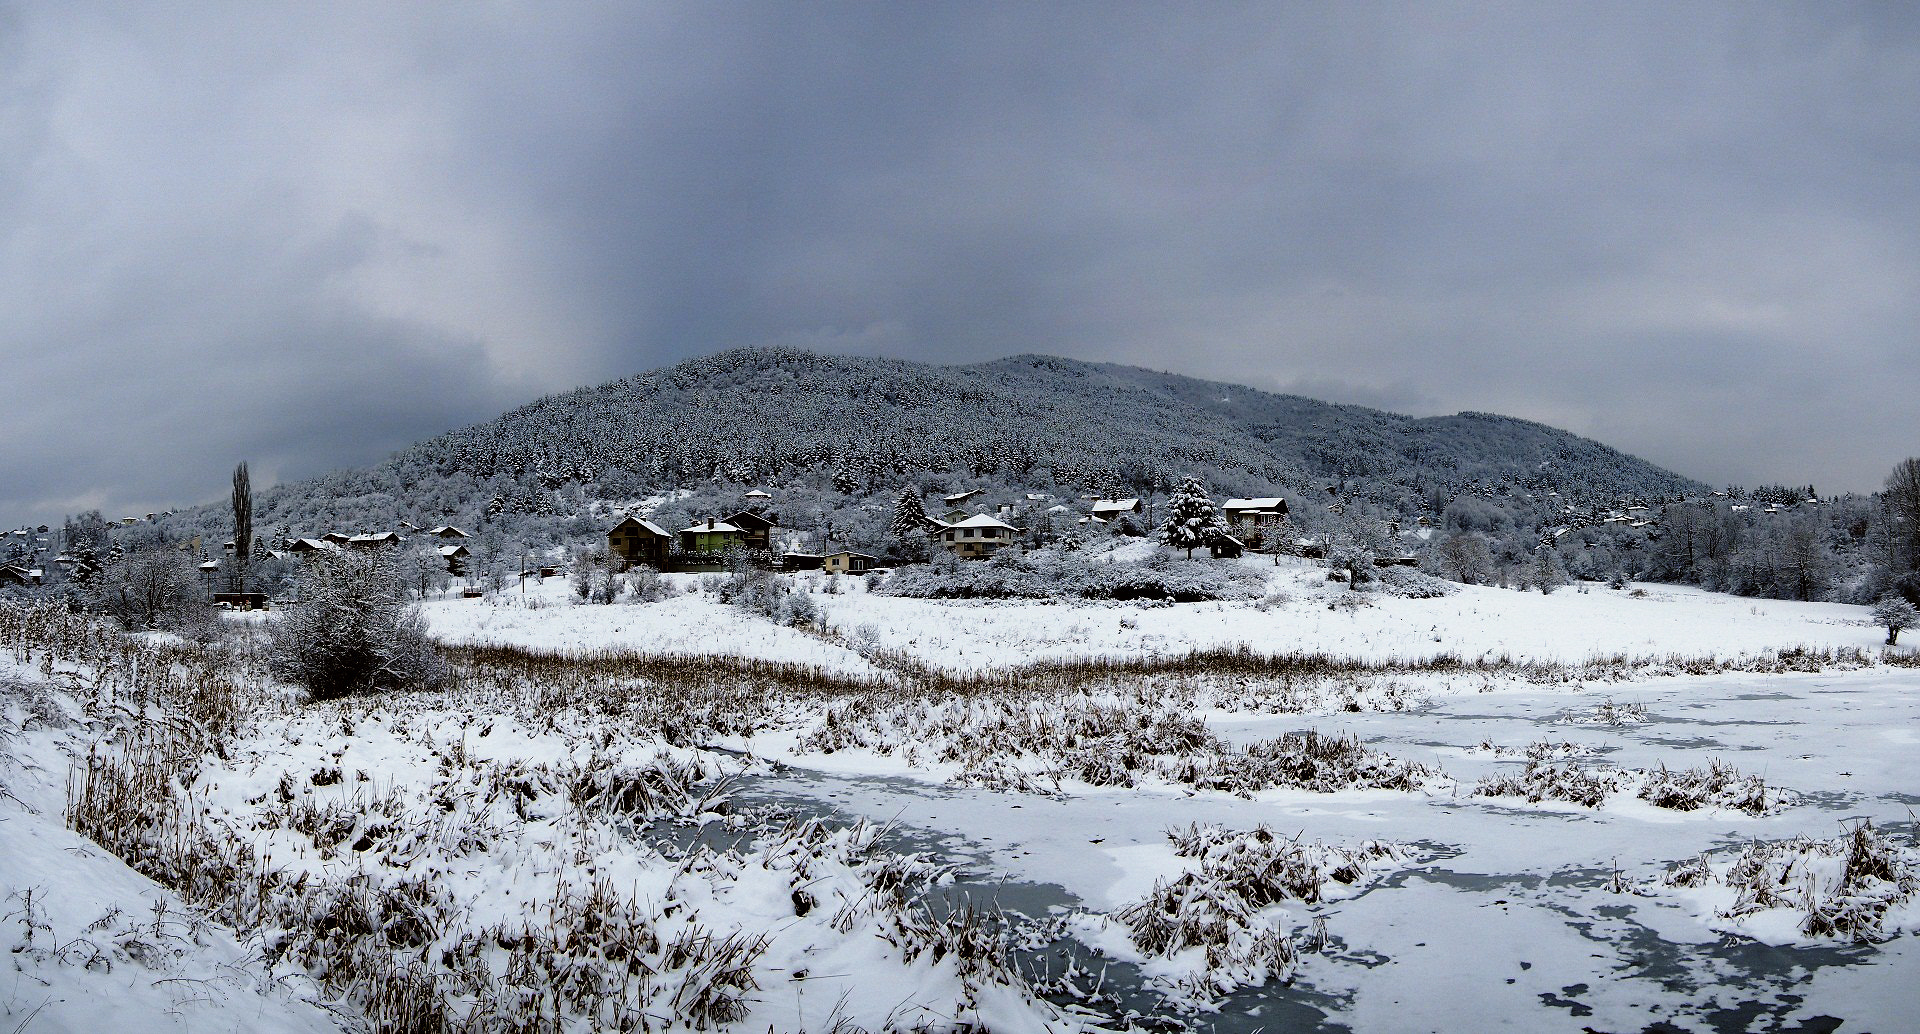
<point>306,236</point>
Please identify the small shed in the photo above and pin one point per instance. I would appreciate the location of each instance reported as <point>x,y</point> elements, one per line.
<point>849,562</point>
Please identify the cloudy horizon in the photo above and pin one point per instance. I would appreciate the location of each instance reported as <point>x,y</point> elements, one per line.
<point>308,236</point>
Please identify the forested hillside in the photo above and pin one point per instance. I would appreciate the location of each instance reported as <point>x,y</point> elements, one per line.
<point>774,417</point>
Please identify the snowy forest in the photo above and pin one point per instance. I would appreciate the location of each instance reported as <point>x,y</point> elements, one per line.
<point>1477,498</point>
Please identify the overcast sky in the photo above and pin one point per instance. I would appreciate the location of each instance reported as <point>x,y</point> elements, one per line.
<point>308,236</point>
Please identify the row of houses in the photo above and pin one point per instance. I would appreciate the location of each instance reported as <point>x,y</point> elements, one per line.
<point>453,551</point>
<point>703,545</point>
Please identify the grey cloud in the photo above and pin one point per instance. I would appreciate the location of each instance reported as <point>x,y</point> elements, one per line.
<point>308,235</point>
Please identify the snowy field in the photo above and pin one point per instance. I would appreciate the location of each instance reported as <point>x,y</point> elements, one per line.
<point>1573,625</point>
<point>1345,852</point>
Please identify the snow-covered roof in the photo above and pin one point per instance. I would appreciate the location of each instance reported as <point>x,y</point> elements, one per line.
<point>448,531</point>
<point>211,565</point>
<point>960,497</point>
<point>851,553</point>
<point>757,494</point>
<point>1273,502</point>
<point>981,520</point>
<point>376,538</point>
<point>453,550</point>
<point>715,526</point>
<point>1115,505</point>
<point>644,523</point>
<point>1091,519</point>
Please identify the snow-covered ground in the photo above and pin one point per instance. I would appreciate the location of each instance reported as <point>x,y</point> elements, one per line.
<point>1509,917</point>
<point>93,945</point>
<point>1470,912</point>
<point>1572,625</point>
<point>546,616</point>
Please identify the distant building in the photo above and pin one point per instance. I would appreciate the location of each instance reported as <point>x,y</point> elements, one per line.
<point>375,541</point>
<point>979,536</point>
<point>447,531</point>
<point>635,541</point>
<point>1256,521</point>
<point>714,536</point>
<point>456,558</point>
<point>1113,509</point>
<point>756,529</point>
<point>848,562</point>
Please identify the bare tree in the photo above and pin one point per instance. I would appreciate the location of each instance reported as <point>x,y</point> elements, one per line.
<point>1896,614</point>
<point>242,526</point>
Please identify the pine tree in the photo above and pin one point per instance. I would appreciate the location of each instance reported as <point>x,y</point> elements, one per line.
<point>1192,519</point>
<point>909,517</point>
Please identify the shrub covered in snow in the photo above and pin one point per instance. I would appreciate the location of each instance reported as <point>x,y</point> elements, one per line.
<point>1857,887</point>
<point>354,630</point>
<point>1067,574</point>
<point>760,592</point>
<point>1220,925</point>
<point>1411,584</point>
<point>1717,785</point>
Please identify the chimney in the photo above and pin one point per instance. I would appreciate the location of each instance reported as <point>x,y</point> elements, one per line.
<point>709,523</point>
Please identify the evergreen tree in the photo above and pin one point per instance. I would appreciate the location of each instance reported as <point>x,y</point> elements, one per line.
<point>909,517</point>
<point>1192,519</point>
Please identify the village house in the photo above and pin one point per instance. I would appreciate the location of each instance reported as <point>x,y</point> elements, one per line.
<point>456,558</point>
<point>1113,509</point>
<point>756,530</point>
<point>979,536</point>
<point>636,541</point>
<point>1256,521</point>
<point>447,531</point>
<point>849,562</point>
<point>713,536</point>
<point>375,541</point>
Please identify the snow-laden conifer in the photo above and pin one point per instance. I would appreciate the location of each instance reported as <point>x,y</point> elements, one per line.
<point>1192,519</point>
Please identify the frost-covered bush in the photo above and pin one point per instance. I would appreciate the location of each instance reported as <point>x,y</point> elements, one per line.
<point>646,585</point>
<point>1411,584</point>
<point>760,592</point>
<point>1070,574</point>
<point>1306,761</point>
<point>1222,919</point>
<point>153,586</point>
<point>1858,887</point>
<point>1718,785</point>
<point>354,630</point>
